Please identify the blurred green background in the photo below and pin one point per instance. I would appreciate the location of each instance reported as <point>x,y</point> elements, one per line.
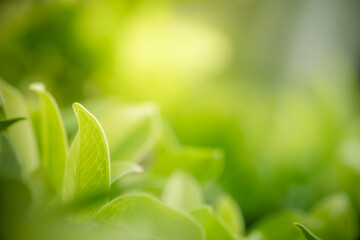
<point>274,83</point>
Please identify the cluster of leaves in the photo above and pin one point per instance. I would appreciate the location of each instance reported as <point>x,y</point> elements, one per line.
<point>152,188</point>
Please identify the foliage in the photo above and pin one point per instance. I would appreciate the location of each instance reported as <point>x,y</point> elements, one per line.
<point>165,192</point>
<point>235,118</point>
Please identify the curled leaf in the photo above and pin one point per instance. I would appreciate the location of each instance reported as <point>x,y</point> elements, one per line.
<point>307,234</point>
<point>54,145</point>
<point>87,170</point>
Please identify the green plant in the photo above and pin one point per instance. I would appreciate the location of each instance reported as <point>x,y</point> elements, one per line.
<point>145,186</point>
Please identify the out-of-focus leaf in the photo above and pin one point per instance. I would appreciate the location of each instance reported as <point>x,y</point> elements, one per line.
<point>337,216</point>
<point>255,235</point>
<point>4,124</point>
<point>9,166</point>
<point>122,168</point>
<point>21,135</point>
<point>14,205</point>
<point>116,232</point>
<point>215,229</point>
<point>143,215</point>
<point>203,163</point>
<point>168,139</point>
<point>307,234</point>
<point>87,170</point>
<point>228,210</point>
<point>280,225</point>
<point>54,145</point>
<point>132,131</point>
<point>182,192</point>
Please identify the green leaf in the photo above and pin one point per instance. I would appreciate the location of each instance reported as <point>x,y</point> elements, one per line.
<point>182,192</point>
<point>54,145</point>
<point>87,170</point>
<point>116,232</point>
<point>146,216</point>
<point>337,216</point>
<point>132,131</point>
<point>21,135</point>
<point>15,202</point>
<point>255,235</point>
<point>279,225</point>
<point>203,163</point>
<point>9,166</point>
<point>228,210</point>
<point>306,232</point>
<point>4,124</point>
<point>121,168</point>
<point>215,229</point>
<point>168,138</point>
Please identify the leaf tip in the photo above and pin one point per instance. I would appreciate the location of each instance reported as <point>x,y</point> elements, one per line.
<point>297,225</point>
<point>77,107</point>
<point>37,87</point>
<point>305,231</point>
